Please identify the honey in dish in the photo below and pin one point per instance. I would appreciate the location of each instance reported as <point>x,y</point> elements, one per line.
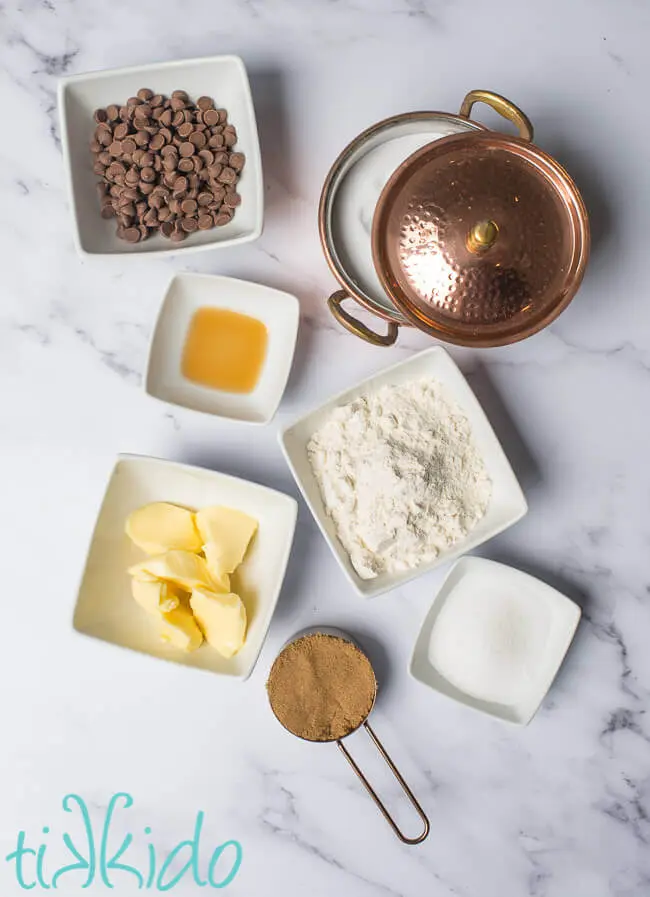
<point>224,350</point>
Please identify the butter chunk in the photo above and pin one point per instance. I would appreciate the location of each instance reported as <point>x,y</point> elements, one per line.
<point>226,534</point>
<point>154,596</point>
<point>183,568</point>
<point>161,526</point>
<point>179,628</point>
<point>222,618</point>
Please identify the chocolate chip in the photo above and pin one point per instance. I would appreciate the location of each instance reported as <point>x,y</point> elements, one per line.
<point>177,236</point>
<point>188,206</point>
<point>185,130</point>
<point>115,149</point>
<point>205,222</point>
<point>232,200</point>
<point>211,117</point>
<point>189,225</point>
<point>157,142</point>
<point>132,235</point>
<point>207,156</point>
<point>100,115</point>
<point>187,149</point>
<point>145,94</point>
<point>227,176</point>
<point>222,218</point>
<point>198,138</point>
<point>237,161</point>
<point>129,145</point>
<point>112,113</point>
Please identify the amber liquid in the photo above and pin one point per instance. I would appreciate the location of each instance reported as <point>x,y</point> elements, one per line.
<point>224,350</point>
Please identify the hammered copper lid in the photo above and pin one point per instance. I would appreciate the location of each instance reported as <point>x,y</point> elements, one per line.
<point>480,238</point>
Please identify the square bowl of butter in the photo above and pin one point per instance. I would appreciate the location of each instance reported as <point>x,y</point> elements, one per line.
<point>186,564</point>
<point>223,346</point>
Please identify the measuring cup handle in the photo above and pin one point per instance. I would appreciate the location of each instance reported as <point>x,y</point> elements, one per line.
<point>373,794</point>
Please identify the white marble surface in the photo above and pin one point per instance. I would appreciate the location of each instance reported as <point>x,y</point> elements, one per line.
<point>560,809</point>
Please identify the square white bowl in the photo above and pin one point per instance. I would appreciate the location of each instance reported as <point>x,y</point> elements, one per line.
<point>105,608</point>
<point>557,616</point>
<point>222,77</point>
<point>507,503</point>
<point>280,312</point>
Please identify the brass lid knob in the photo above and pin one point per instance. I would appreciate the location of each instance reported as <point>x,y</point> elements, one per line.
<point>482,235</point>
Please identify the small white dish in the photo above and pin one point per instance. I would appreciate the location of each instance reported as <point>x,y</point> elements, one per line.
<point>278,311</point>
<point>222,77</point>
<point>507,503</point>
<point>538,634</point>
<point>105,608</point>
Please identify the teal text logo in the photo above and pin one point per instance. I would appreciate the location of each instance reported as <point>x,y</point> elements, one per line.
<point>94,861</point>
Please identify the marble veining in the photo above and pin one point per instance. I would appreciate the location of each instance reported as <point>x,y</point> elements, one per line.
<point>559,808</point>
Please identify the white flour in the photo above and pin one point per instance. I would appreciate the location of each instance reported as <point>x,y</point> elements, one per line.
<point>400,476</point>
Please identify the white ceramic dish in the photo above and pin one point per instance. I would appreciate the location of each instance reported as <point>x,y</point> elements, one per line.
<point>507,503</point>
<point>279,311</point>
<point>222,77</point>
<point>105,608</point>
<point>556,619</point>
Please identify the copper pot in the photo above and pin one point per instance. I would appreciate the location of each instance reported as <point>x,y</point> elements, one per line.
<point>478,238</point>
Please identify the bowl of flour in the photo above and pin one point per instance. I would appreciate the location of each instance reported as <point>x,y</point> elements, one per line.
<point>403,472</point>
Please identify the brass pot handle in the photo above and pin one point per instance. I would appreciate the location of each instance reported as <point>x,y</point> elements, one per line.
<point>502,106</point>
<point>356,327</point>
<point>373,794</point>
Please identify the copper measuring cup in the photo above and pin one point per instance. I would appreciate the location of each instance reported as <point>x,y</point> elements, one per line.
<point>337,633</point>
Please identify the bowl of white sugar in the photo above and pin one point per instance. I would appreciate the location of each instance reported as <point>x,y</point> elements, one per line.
<point>494,639</point>
<point>403,472</point>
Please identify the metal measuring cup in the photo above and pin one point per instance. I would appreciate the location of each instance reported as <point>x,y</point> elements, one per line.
<point>337,633</point>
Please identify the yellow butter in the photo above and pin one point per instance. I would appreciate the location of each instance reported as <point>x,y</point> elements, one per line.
<point>154,596</point>
<point>159,527</point>
<point>179,628</point>
<point>222,618</point>
<point>226,534</point>
<point>183,568</point>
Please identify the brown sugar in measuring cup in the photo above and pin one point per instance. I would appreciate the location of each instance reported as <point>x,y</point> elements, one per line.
<point>322,688</point>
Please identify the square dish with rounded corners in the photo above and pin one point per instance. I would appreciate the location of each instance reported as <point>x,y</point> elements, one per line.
<point>507,503</point>
<point>278,311</point>
<point>222,77</point>
<point>556,620</point>
<point>105,608</point>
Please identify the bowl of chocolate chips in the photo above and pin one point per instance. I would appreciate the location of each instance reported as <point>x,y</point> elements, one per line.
<point>162,158</point>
